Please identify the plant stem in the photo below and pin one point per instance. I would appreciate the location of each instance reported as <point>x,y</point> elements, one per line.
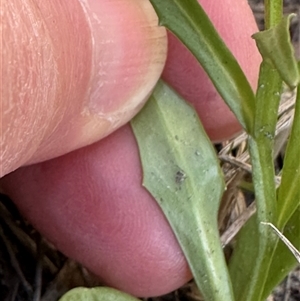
<point>261,146</point>
<point>252,257</point>
<point>273,12</point>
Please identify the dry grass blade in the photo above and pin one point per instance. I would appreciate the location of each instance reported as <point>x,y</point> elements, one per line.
<point>235,227</point>
<point>295,252</point>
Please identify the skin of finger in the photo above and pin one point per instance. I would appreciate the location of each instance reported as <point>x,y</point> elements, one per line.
<point>85,195</point>
<point>83,69</point>
<point>36,74</point>
<point>91,205</point>
<point>235,23</point>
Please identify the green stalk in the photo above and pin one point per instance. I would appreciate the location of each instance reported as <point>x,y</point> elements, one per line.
<point>273,12</point>
<point>288,205</point>
<point>250,263</point>
<point>251,259</point>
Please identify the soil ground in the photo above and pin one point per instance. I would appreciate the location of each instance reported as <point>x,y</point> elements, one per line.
<point>32,270</point>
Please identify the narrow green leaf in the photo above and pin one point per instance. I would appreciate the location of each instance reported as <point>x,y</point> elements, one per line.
<point>189,22</point>
<point>283,261</point>
<point>247,260</point>
<point>96,294</point>
<point>276,48</point>
<point>289,189</point>
<point>182,172</point>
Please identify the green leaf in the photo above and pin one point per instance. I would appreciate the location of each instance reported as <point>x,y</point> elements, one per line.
<point>188,21</point>
<point>289,189</point>
<point>283,261</point>
<point>96,294</point>
<point>275,47</point>
<point>182,172</point>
